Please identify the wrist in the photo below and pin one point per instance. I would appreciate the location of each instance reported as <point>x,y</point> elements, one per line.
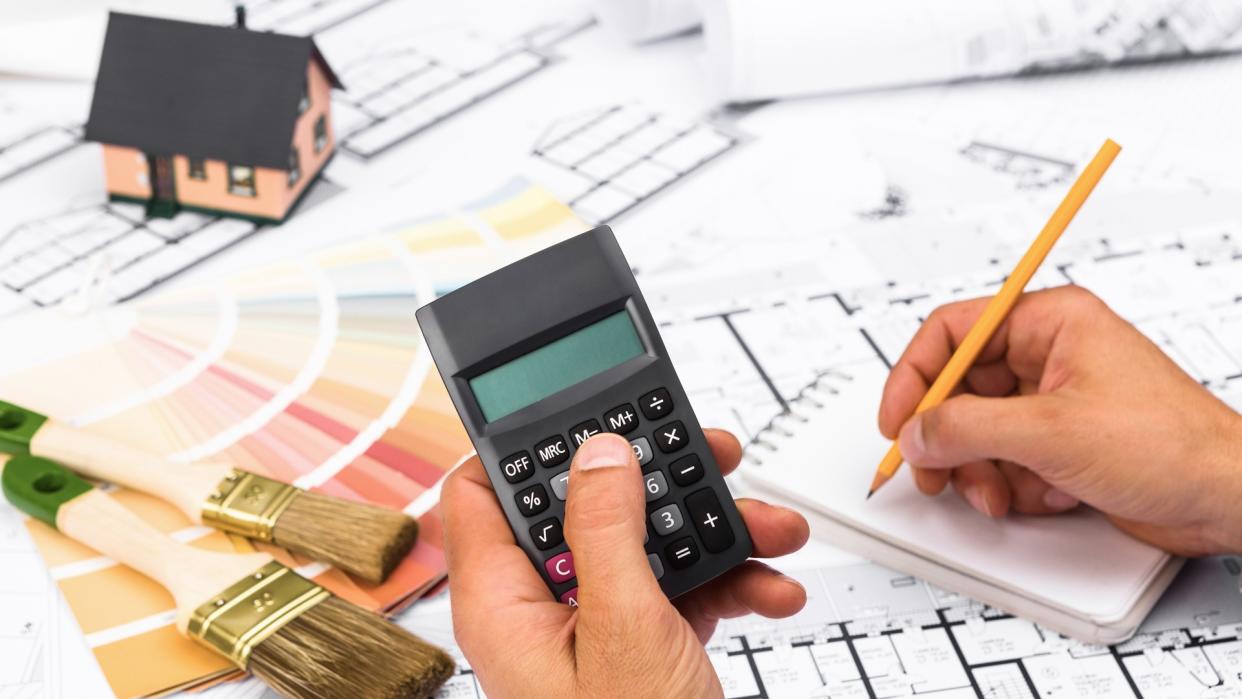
<point>1223,533</point>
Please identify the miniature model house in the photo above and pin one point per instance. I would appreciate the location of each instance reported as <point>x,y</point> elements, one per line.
<point>207,118</point>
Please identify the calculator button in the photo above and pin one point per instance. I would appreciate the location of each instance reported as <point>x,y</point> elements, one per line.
<point>655,485</point>
<point>552,451</point>
<point>642,450</point>
<point>709,520</point>
<point>671,437</point>
<point>517,468</point>
<point>653,560</point>
<point>584,431</point>
<point>667,520</point>
<point>547,534</point>
<point>570,598</point>
<point>621,419</point>
<point>532,500</point>
<point>682,553</point>
<point>560,567</point>
<point>656,404</point>
<point>560,485</point>
<point>686,470</point>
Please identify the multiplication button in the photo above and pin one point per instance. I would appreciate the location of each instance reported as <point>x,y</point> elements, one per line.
<point>671,437</point>
<point>621,419</point>
<point>517,467</point>
<point>532,500</point>
<point>656,404</point>
<point>552,451</point>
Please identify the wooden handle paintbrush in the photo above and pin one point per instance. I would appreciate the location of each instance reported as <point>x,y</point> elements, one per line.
<point>365,540</point>
<point>1001,304</point>
<point>291,633</point>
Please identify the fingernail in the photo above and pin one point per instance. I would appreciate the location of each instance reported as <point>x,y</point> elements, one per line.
<point>1059,500</point>
<point>793,581</point>
<point>978,499</point>
<point>603,451</point>
<point>911,440</point>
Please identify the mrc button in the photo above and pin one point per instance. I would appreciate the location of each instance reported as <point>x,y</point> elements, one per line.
<point>552,451</point>
<point>517,467</point>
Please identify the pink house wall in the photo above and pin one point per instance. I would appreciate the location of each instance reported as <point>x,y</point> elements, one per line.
<point>127,172</point>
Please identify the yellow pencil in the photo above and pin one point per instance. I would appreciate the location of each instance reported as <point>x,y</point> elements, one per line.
<point>1000,306</point>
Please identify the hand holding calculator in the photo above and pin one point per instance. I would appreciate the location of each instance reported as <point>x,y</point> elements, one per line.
<point>543,354</point>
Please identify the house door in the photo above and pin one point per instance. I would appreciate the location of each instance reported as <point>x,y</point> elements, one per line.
<point>163,187</point>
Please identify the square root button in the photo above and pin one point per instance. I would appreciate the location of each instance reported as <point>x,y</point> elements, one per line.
<point>560,567</point>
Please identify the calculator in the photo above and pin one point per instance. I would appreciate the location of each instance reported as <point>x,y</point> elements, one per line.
<point>542,354</point>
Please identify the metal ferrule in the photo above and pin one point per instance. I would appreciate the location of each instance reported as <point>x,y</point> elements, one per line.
<point>241,617</point>
<point>247,504</point>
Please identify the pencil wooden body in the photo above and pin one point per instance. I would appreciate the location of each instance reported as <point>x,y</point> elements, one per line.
<point>999,307</point>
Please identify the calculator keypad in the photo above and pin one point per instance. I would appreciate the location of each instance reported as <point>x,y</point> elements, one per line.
<point>675,545</point>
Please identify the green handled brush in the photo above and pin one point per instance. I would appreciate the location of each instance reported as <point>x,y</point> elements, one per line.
<point>291,633</point>
<point>364,540</point>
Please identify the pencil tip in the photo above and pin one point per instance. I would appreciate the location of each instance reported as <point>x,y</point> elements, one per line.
<point>870,493</point>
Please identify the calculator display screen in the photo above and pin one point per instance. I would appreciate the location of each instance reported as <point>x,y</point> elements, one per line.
<point>557,365</point>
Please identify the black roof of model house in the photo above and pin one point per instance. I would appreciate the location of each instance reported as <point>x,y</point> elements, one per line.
<point>178,88</point>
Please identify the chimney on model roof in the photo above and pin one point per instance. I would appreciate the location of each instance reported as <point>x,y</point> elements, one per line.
<point>239,13</point>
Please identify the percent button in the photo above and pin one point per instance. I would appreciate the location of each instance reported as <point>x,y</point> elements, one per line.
<point>532,501</point>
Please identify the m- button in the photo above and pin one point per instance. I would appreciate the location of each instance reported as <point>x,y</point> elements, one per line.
<point>671,437</point>
<point>621,419</point>
<point>584,431</point>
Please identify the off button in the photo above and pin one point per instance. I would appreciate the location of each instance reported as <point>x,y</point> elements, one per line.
<point>517,467</point>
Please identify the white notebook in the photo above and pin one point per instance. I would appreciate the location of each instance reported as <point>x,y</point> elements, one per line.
<point>1075,573</point>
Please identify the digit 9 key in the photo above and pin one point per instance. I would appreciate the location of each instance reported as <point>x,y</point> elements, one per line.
<point>542,354</point>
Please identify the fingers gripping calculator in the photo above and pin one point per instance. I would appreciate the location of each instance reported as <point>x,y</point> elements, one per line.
<point>552,349</point>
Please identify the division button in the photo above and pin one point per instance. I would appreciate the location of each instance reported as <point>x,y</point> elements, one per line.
<point>654,485</point>
<point>656,404</point>
<point>532,500</point>
<point>621,419</point>
<point>682,553</point>
<point>552,451</point>
<point>671,437</point>
<point>560,567</point>
<point>517,467</point>
<point>686,470</point>
<point>653,560</point>
<point>667,520</point>
<point>584,431</point>
<point>642,450</point>
<point>560,485</point>
<point>547,534</point>
<point>709,519</point>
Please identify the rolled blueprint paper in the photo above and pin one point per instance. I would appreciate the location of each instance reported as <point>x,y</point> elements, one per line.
<point>645,20</point>
<point>764,49</point>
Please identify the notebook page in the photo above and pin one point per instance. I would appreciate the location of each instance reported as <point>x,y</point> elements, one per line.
<point>1078,562</point>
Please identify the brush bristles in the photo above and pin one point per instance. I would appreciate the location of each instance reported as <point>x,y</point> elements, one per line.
<point>336,649</point>
<point>364,540</point>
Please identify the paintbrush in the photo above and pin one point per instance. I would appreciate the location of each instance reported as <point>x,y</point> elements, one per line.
<point>365,540</point>
<point>291,633</point>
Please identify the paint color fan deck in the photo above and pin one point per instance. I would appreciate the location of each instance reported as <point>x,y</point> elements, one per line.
<point>311,371</point>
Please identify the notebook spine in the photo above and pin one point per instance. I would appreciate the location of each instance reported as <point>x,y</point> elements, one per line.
<point>797,411</point>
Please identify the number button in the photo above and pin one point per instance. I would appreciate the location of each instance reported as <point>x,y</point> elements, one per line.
<point>560,485</point>
<point>656,404</point>
<point>532,501</point>
<point>653,560</point>
<point>547,534</point>
<point>655,484</point>
<point>671,437</point>
<point>686,470</point>
<point>682,553</point>
<point>552,451</point>
<point>584,431</point>
<point>709,520</point>
<point>621,419</point>
<point>517,468</point>
<point>667,520</point>
<point>560,567</point>
<point>642,450</point>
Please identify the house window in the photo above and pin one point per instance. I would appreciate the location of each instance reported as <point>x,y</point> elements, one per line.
<point>295,167</point>
<point>241,180</point>
<point>304,102</point>
<point>321,133</point>
<point>198,171</point>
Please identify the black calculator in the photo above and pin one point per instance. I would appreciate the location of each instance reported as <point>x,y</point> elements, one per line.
<point>559,346</point>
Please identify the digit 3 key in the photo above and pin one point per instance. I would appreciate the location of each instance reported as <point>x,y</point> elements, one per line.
<point>557,347</point>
